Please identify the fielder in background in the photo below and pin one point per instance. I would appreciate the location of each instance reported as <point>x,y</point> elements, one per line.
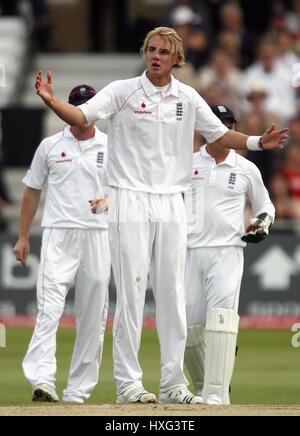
<point>75,250</point>
<point>222,182</point>
<point>152,120</point>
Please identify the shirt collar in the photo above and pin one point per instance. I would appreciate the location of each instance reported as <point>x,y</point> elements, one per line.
<point>96,140</point>
<point>230,160</point>
<point>150,89</point>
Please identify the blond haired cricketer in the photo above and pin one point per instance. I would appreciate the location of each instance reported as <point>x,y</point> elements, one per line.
<point>152,119</point>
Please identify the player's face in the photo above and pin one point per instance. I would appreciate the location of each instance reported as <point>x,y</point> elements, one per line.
<point>159,58</point>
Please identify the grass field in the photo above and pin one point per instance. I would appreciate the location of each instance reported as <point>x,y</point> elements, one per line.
<point>267,368</point>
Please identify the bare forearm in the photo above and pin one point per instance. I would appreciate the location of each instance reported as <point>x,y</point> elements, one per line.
<point>68,113</point>
<point>270,140</point>
<point>29,207</point>
<point>235,140</point>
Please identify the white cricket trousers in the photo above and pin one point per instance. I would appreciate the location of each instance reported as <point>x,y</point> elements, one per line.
<point>214,276</point>
<point>68,257</point>
<point>147,233</point>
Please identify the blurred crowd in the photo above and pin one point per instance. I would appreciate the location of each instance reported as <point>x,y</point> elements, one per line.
<point>246,55</point>
<point>241,53</point>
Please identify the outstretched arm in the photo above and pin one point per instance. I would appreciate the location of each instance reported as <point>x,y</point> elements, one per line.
<point>270,140</point>
<point>67,112</point>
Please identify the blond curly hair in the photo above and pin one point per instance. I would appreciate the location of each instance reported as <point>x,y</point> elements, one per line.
<point>173,37</point>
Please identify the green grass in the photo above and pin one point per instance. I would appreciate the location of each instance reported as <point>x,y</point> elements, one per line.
<point>266,372</point>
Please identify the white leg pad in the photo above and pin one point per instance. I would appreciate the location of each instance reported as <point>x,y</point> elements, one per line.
<point>220,338</point>
<point>195,356</point>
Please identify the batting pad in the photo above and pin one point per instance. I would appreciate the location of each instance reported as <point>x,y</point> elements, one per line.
<point>220,338</point>
<point>195,356</point>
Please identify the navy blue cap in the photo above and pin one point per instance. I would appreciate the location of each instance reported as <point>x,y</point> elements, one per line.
<point>81,94</point>
<point>223,113</point>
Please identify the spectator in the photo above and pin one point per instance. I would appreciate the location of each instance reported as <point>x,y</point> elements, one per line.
<point>279,192</point>
<point>281,98</point>
<point>256,96</point>
<point>293,19</point>
<point>222,74</point>
<point>278,22</point>
<point>231,17</point>
<point>231,44</point>
<point>291,172</point>
<point>287,56</point>
<point>212,94</point>
<point>190,27</point>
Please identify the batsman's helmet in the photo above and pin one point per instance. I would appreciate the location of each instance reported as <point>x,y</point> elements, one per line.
<point>81,94</point>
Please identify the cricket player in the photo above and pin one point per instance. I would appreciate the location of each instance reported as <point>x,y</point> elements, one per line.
<point>152,119</point>
<point>75,250</point>
<point>222,182</point>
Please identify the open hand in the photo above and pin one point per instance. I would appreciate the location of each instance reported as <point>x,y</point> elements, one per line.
<point>273,139</point>
<point>44,89</point>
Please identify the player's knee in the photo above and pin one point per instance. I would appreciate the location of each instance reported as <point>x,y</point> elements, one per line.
<point>97,283</point>
<point>52,313</point>
<point>194,317</point>
<point>228,302</point>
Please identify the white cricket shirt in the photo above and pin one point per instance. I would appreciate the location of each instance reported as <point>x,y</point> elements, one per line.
<point>151,133</point>
<point>216,201</point>
<point>76,173</point>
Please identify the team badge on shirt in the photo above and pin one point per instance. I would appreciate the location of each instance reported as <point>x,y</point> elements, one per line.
<point>232,181</point>
<point>179,111</point>
<point>100,158</point>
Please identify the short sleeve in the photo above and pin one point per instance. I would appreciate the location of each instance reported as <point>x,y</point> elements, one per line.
<point>207,123</point>
<point>37,175</point>
<point>104,105</point>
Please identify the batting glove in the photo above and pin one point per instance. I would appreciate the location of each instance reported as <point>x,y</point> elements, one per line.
<point>259,228</point>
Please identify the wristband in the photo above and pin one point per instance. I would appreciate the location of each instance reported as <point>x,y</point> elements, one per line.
<point>254,143</point>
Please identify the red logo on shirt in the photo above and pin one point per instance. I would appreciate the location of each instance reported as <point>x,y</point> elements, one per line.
<point>143,111</point>
<point>63,155</point>
<point>197,175</point>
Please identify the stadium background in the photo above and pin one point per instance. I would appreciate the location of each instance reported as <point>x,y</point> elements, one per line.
<point>95,42</point>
